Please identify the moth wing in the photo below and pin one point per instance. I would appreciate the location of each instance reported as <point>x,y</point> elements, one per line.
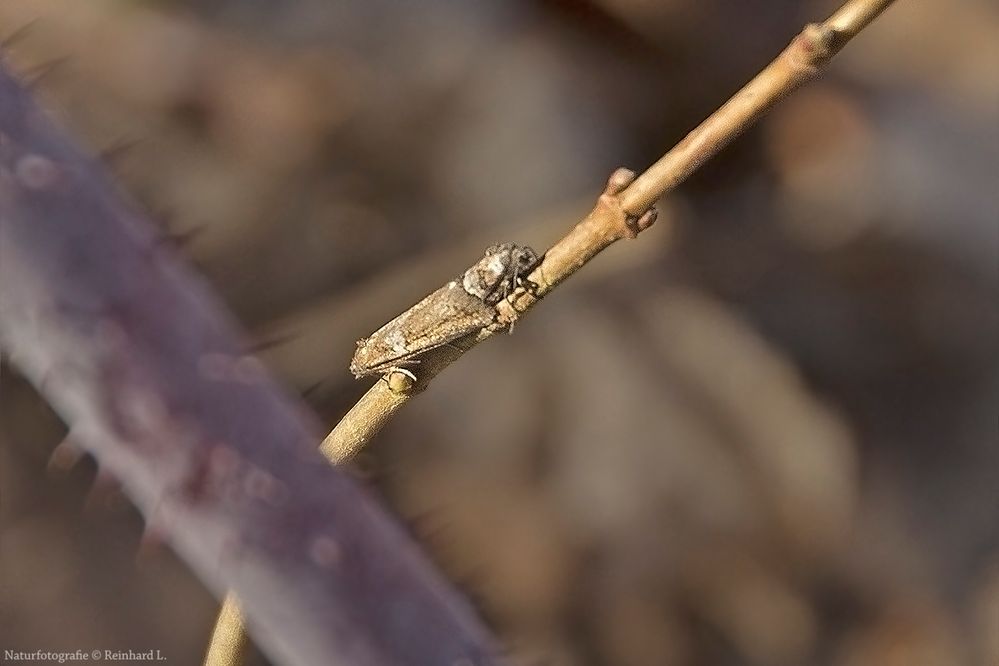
<point>442,317</point>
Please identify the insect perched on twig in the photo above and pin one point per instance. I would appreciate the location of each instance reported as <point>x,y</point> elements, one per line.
<point>461,307</point>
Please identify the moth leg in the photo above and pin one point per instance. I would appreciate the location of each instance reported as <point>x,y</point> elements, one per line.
<point>530,286</point>
<point>519,280</point>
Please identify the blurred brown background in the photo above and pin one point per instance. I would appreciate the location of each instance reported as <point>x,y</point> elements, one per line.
<point>765,433</point>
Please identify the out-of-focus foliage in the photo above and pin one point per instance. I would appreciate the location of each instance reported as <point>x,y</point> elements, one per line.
<point>765,433</point>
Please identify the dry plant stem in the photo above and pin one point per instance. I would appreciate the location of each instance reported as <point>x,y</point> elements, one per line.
<point>799,63</point>
<point>153,378</point>
<point>615,215</point>
<point>228,643</point>
<point>229,640</point>
<point>618,214</point>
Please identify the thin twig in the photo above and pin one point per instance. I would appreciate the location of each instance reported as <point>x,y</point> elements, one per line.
<point>619,213</point>
<point>800,62</point>
<point>228,643</point>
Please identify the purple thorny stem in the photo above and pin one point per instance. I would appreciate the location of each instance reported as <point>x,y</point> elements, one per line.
<point>153,378</point>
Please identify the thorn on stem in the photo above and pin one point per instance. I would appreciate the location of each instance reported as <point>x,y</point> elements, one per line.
<point>184,238</point>
<point>152,543</point>
<point>180,240</point>
<point>65,456</point>
<point>34,76</point>
<point>105,493</point>
<point>278,340</point>
<point>311,390</point>
<point>116,150</point>
<point>18,34</point>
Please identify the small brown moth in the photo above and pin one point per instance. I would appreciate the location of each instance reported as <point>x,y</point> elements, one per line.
<point>463,306</point>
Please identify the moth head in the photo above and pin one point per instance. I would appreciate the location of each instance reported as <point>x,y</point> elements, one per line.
<point>524,259</point>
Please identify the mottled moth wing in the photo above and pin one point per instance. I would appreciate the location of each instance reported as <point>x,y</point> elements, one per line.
<point>442,317</point>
